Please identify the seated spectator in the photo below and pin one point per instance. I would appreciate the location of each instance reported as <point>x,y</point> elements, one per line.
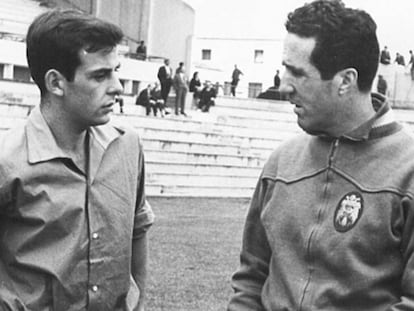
<point>146,99</point>
<point>195,88</point>
<point>158,100</point>
<point>207,97</point>
<point>399,59</point>
<point>385,57</point>
<point>141,51</point>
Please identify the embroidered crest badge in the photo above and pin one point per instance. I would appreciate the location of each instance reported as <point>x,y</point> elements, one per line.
<point>348,211</point>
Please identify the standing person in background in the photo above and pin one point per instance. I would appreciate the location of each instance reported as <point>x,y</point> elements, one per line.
<point>331,223</point>
<point>195,88</point>
<point>142,51</point>
<point>120,101</point>
<point>73,217</point>
<point>411,62</point>
<point>180,83</point>
<point>235,78</point>
<point>276,80</point>
<point>165,77</point>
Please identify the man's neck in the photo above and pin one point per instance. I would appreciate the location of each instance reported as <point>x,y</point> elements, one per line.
<point>356,111</point>
<point>68,137</point>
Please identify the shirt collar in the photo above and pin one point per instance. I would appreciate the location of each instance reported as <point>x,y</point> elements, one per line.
<point>42,145</point>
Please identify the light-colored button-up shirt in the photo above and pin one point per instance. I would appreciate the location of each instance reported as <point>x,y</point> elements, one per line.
<point>65,232</point>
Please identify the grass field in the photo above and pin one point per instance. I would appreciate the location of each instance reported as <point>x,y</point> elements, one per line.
<point>194,249</point>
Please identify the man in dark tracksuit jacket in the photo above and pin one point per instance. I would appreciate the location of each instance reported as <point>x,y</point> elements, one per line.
<point>331,223</point>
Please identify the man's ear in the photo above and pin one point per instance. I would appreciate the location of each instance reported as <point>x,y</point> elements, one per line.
<point>347,80</point>
<point>54,82</point>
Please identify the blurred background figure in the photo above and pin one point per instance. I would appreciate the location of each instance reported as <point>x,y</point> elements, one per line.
<point>165,77</point>
<point>235,78</point>
<point>195,88</point>
<point>120,101</point>
<point>142,51</point>
<point>207,97</point>
<point>276,80</point>
<point>148,99</point>
<point>180,84</point>
<point>381,85</point>
<point>385,57</point>
<point>399,59</point>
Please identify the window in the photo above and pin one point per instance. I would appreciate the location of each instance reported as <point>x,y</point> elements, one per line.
<point>258,56</point>
<point>135,87</point>
<point>1,71</point>
<point>21,74</point>
<point>254,89</point>
<point>205,54</point>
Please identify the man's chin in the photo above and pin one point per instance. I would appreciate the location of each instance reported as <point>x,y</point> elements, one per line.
<point>309,130</point>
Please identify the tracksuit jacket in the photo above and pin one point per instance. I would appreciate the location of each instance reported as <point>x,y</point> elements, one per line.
<point>331,222</point>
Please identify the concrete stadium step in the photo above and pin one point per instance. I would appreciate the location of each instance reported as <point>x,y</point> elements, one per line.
<point>203,158</point>
<point>213,124</point>
<point>22,93</point>
<point>254,104</point>
<point>197,137</point>
<point>195,191</point>
<point>8,122</point>
<point>169,167</point>
<point>207,148</point>
<point>285,116</point>
<point>13,110</point>
<point>405,115</point>
<point>191,180</point>
<point>241,123</point>
<point>186,130</point>
<point>16,15</point>
<point>259,124</point>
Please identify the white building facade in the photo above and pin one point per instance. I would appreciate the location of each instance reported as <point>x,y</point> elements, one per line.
<point>258,59</point>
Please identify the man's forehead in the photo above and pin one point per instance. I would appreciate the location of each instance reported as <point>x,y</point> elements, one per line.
<point>102,51</point>
<point>101,58</point>
<point>297,49</point>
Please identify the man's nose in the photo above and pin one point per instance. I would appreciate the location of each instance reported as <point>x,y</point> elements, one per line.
<point>116,86</point>
<point>286,88</point>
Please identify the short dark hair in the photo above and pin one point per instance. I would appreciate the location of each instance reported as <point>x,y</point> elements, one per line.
<point>345,38</point>
<point>55,38</point>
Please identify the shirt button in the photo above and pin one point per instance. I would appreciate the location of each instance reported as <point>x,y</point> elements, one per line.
<point>95,288</point>
<point>95,235</point>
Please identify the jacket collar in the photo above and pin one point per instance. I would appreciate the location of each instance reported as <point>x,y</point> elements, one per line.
<point>382,123</point>
<point>42,145</point>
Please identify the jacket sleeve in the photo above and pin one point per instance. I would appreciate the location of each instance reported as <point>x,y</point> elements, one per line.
<point>144,216</point>
<point>407,250</point>
<point>248,280</point>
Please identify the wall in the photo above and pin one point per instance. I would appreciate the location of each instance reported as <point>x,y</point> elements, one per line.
<point>166,26</point>
<point>83,5</point>
<point>225,53</point>
<point>171,28</point>
<point>14,54</point>
<point>400,86</point>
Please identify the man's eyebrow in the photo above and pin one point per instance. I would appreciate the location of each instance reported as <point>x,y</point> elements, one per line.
<point>293,68</point>
<point>104,70</point>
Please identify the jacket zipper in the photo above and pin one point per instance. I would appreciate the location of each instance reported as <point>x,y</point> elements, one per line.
<point>308,246</point>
